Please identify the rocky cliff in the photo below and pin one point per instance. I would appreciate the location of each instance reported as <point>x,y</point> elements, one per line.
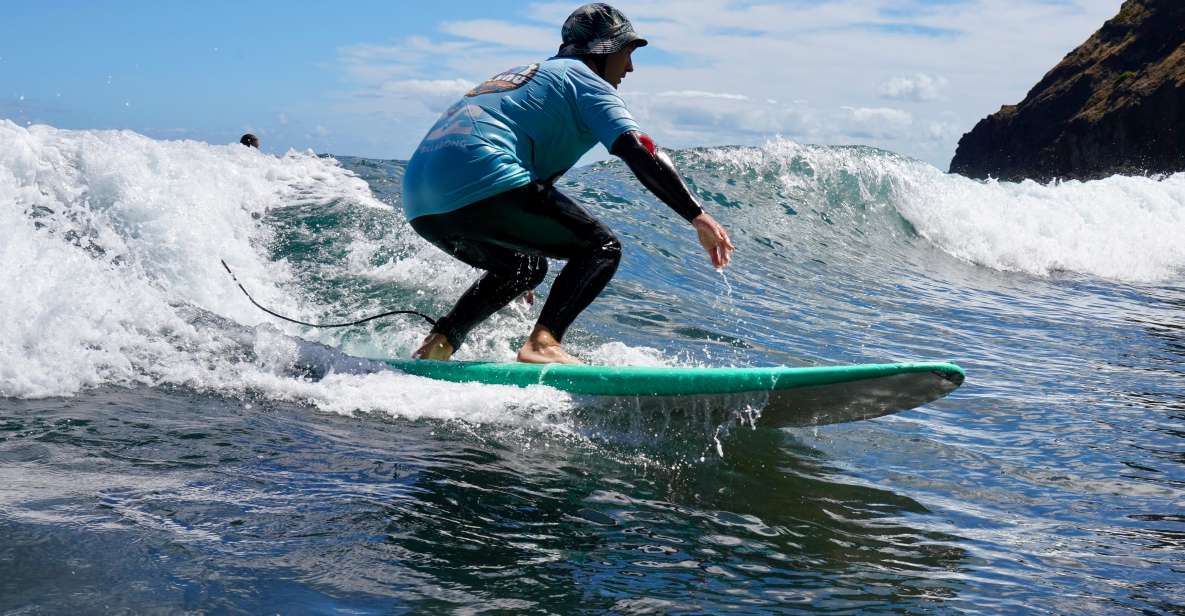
<point>1114,105</point>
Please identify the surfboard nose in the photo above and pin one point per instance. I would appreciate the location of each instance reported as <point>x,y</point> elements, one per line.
<point>856,400</point>
<point>956,377</point>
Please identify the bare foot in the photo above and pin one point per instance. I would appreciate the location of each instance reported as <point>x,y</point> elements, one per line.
<point>543,348</point>
<point>531,354</point>
<point>436,346</point>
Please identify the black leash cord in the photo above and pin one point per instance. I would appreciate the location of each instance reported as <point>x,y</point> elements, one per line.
<point>359,322</point>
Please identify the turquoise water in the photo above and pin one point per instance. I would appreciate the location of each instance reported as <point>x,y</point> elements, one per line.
<point>165,447</point>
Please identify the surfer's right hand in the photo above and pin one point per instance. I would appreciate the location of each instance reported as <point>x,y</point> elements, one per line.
<point>714,239</point>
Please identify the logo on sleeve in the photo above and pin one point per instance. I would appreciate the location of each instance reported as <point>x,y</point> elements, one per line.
<point>505,81</point>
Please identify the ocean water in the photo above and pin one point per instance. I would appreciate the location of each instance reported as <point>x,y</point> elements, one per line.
<point>166,447</point>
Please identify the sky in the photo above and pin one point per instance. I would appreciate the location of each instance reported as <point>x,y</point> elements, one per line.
<point>368,78</point>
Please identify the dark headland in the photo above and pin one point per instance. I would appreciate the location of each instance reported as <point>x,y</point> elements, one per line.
<point>1116,104</point>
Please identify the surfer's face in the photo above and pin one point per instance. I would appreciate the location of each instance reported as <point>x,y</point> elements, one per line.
<point>617,64</point>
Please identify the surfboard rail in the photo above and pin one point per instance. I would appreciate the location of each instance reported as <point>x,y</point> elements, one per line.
<point>793,396</point>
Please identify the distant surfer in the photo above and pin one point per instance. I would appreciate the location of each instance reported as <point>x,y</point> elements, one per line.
<point>481,184</point>
<point>250,141</point>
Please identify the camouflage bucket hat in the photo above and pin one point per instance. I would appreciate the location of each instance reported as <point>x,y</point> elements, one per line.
<point>597,29</point>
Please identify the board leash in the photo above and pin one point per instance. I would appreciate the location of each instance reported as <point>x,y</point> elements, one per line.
<point>427,318</point>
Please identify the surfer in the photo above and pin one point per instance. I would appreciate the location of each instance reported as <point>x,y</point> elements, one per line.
<point>481,184</point>
<point>250,141</point>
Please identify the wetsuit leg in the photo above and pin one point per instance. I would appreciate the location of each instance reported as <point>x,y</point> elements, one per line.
<point>510,235</point>
<point>593,253</point>
<point>508,275</point>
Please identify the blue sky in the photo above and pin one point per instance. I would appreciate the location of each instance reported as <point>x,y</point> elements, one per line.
<point>368,78</point>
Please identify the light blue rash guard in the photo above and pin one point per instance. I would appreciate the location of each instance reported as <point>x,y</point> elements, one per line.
<point>526,124</point>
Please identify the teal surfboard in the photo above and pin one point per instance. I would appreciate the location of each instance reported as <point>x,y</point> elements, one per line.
<point>781,396</point>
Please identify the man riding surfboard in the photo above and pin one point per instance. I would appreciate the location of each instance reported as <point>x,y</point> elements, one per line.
<point>481,184</point>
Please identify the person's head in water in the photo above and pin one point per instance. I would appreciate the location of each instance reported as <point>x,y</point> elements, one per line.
<point>603,38</point>
<point>249,140</point>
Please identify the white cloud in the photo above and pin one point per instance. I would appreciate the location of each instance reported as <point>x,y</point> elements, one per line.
<point>435,94</point>
<point>703,94</point>
<point>451,87</point>
<point>880,115</point>
<point>409,58</point>
<point>918,88</point>
<point>876,122</point>
<point>696,117</point>
<point>503,33</point>
<point>943,131</point>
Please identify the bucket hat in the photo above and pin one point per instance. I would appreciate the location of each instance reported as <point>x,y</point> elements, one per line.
<point>597,28</point>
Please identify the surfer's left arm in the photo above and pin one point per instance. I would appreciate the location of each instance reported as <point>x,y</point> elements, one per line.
<point>657,173</point>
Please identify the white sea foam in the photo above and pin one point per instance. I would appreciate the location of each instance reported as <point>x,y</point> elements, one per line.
<point>1121,228</point>
<point>110,245</point>
<point>103,234</point>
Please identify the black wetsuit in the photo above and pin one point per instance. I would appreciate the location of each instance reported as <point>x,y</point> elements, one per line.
<point>512,234</point>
